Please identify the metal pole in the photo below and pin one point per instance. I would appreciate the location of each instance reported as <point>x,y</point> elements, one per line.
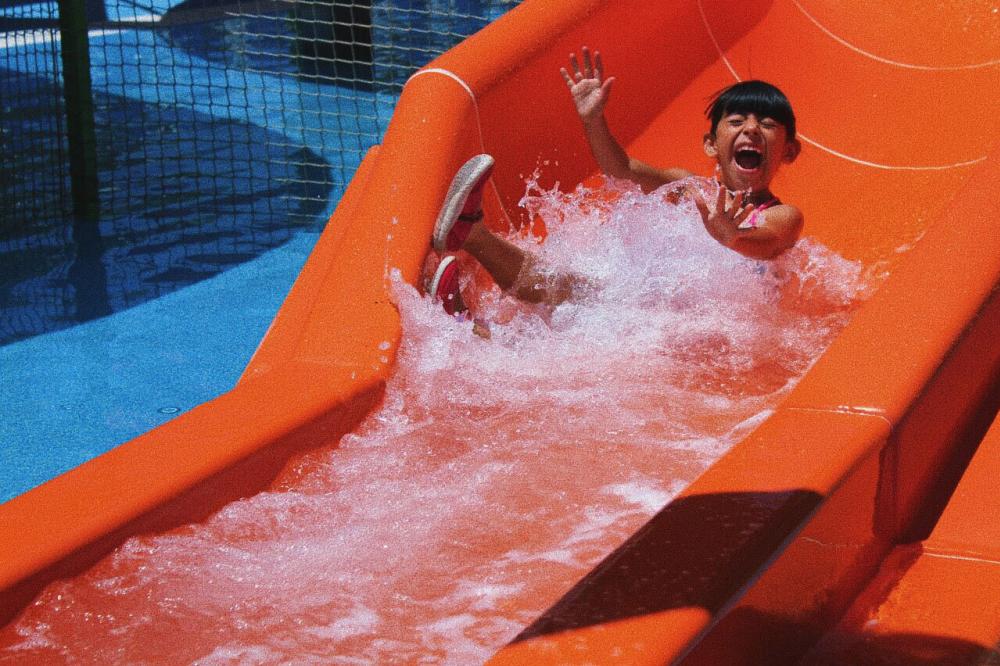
<point>335,40</point>
<point>79,109</point>
<point>87,274</point>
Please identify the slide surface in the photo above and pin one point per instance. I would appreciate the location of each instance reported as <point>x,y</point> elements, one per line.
<point>771,530</point>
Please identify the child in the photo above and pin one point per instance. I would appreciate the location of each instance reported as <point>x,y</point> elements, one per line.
<point>752,134</point>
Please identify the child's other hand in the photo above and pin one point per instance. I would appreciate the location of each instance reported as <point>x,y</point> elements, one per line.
<point>723,219</point>
<point>590,93</point>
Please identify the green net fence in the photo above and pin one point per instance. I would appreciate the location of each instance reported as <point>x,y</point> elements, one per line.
<point>220,129</point>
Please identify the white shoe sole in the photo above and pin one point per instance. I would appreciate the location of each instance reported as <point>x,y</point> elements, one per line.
<point>464,181</point>
<point>433,287</point>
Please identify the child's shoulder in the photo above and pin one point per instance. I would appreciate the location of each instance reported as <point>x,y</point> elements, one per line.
<point>784,217</point>
<point>784,209</point>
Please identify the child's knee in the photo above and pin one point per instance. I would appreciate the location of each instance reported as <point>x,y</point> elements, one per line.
<point>548,289</point>
<point>531,293</point>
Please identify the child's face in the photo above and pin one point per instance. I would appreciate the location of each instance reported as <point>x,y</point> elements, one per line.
<point>750,150</point>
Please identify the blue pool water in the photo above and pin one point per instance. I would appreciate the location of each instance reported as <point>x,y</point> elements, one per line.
<point>101,342</point>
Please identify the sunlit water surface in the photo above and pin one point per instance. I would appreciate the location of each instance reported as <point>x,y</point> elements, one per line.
<point>496,473</point>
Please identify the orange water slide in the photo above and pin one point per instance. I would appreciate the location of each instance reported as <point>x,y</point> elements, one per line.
<point>933,601</point>
<point>783,547</point>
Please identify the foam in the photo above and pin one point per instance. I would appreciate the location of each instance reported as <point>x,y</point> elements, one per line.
<point>648,497</point>
<point>497,471</point>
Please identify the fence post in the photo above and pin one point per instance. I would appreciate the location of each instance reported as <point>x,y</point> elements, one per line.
<point>335,40</point>
<point>79,109</point>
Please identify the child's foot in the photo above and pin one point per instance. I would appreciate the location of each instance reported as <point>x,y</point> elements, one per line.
<point>444,286</point>
<point>463,205</point>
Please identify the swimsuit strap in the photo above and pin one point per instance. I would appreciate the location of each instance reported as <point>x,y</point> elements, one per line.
<point>751,221</point>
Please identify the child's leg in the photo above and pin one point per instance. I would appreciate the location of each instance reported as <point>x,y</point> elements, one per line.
<point>459,227</point>
<point>502,259</point>
<point>515,270</point>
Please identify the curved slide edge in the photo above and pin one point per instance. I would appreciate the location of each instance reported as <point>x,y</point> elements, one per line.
<point>778,535</point>
<point>320,369</point>
<point>184,470</point>
<point>936,600</point>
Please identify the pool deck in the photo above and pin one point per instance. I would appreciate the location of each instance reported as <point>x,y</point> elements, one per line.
<point>73,394</point>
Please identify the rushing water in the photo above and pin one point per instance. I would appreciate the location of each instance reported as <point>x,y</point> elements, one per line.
<point>497,471</point>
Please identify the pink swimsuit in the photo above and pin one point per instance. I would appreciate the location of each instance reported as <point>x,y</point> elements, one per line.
<point>751,222</point>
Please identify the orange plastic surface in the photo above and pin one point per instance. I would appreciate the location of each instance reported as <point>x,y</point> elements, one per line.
<point>936,602</point>
<point>896,104</point>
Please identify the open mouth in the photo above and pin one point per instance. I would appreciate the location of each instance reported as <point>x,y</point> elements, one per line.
<point>748,158</point>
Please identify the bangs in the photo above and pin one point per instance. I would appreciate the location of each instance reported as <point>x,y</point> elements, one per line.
<point>757,97</point>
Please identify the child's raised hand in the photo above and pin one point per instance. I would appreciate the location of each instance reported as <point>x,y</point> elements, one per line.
<point>590,93</point>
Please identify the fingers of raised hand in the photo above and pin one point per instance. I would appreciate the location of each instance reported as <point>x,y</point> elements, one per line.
<point>588,63</point>
<point>566,76</point>
<point>591,67</point>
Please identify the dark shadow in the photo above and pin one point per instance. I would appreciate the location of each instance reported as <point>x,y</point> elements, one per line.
<point>334,41</point>
<point>702,551</point>
<point>675,560</point>
<point>776,641</point>
<point>186,196</point>
<point>969,434</point>
<point>87,274</point>
<point>904,649</point>
<point>95,11</point>
<point>407,35</point>
<point>358,46</point>
<point>328,41</point>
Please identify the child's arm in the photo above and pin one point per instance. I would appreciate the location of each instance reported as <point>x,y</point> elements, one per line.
<point>590,94</point>
<point>778,229</point>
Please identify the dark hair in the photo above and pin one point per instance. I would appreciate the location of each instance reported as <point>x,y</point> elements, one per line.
<point>757,97</point>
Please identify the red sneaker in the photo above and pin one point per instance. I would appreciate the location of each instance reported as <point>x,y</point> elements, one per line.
<point>463,205</point>
<point>444,286</point>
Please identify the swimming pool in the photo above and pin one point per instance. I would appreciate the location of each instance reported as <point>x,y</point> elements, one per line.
<point>219,167</point>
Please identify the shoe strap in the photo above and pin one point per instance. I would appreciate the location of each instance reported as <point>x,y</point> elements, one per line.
<point>472,217</point>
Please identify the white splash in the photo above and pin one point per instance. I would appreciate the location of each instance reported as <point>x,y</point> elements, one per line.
<point>496,473</point>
